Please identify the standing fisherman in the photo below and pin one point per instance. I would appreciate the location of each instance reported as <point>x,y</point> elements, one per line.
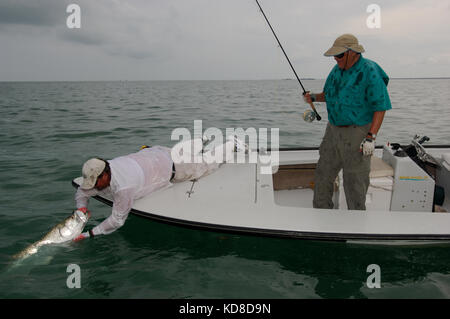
<point>357,99</point>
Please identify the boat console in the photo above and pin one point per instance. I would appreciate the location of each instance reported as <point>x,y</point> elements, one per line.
<point>413,187</point>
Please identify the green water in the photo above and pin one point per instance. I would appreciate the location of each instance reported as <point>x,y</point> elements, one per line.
<point>50,129</point>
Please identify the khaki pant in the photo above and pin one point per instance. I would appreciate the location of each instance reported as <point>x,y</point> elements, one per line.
<point>340,150</point>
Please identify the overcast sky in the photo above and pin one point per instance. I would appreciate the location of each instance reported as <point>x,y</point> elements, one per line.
<point>215,39</point>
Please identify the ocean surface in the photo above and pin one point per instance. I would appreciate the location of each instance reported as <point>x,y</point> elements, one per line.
<point>48,130</point>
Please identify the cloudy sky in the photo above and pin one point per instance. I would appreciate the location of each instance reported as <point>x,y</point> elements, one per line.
<point>214,39</point>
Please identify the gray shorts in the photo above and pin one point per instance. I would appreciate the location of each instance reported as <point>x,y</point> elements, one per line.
<point>340,150</point>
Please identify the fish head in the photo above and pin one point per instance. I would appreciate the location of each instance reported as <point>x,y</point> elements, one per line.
<point>74,224</point>
<point>81,217</point>
<point>78,221</point>
<point>71,221</point>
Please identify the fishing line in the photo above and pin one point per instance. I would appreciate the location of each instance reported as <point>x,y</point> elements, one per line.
<point>287,58</point>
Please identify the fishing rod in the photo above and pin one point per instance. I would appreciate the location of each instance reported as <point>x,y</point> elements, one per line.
<point>287,58</point>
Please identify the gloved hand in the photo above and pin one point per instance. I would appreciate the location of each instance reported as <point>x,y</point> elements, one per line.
<point>82,236</point>
<point>83,209</point>
<point>367,146</point>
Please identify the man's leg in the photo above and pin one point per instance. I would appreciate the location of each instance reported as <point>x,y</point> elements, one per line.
<point>211,162</point>
<point>327,169</point>
<point>188,151</point>
<point>220,154</point>
<point>356,169</point>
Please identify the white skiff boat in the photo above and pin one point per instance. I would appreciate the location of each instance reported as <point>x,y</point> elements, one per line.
<point>407,200</point>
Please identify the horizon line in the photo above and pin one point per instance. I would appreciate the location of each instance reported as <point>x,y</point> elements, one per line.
<point>205,80</point>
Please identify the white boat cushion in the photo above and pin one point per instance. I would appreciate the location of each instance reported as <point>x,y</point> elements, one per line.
<point>379,168</point>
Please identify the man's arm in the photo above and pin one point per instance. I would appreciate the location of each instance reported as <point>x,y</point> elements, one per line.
<point>82,197</point>
<point>122,203</point>
<point>377,120</point>
<point>368,144</point>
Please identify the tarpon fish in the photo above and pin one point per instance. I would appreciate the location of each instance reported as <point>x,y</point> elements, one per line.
<point>67,230</point>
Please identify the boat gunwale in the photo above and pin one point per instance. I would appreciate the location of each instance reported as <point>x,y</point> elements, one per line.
<point>315,148</point>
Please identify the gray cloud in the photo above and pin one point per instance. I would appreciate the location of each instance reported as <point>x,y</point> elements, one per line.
<point>213,39</point>
<point>131,29</point>
<point>78,37</point>
<point>32,13</point>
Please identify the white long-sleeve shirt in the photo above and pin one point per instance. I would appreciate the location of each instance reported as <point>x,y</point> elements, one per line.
<point>132,177</point>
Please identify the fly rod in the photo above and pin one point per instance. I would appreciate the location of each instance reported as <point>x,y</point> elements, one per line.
<point>287,58</point>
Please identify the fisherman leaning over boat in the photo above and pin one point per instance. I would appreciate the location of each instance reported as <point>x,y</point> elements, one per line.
<point>357,98</point>
<point>136,175</point>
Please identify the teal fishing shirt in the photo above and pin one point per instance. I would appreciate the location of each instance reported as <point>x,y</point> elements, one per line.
<point>353,95</point>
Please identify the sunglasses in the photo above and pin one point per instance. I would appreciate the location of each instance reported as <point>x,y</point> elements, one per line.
<point>339,56</point>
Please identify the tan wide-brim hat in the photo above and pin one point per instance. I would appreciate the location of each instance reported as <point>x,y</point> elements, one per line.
<point>91,171</point>
<point>343,43</point>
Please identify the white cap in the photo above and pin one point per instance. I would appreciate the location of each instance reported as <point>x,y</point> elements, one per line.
<point>91,171</point>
